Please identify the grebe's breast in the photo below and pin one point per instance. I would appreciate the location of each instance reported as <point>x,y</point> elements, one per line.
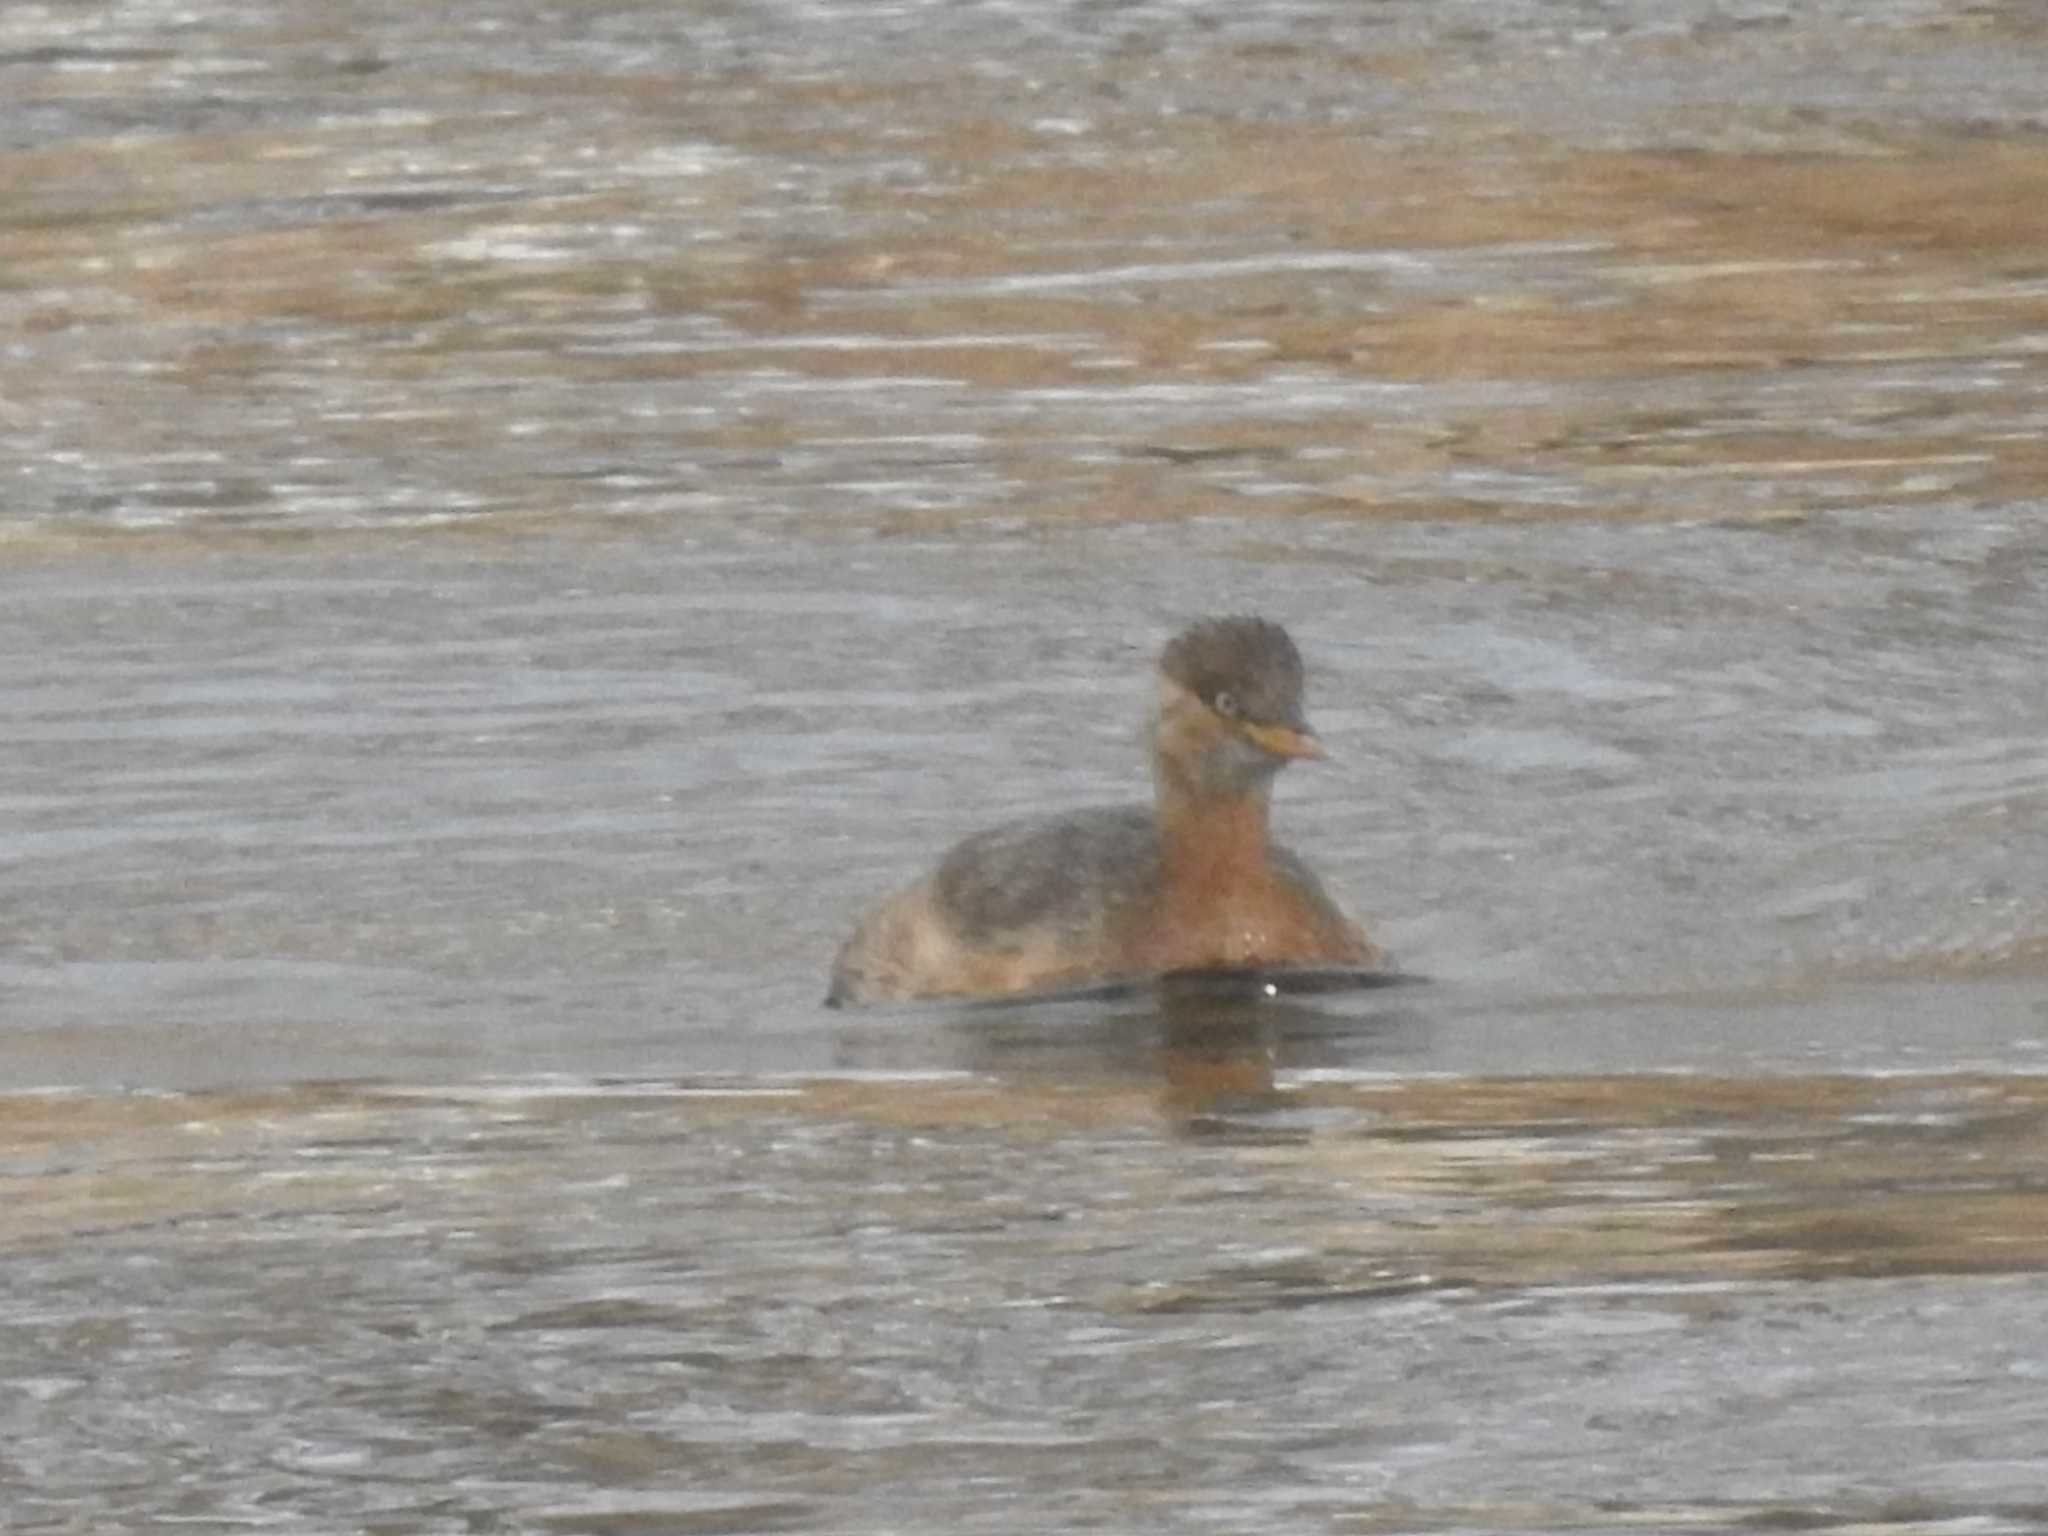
<point>1272,913</point>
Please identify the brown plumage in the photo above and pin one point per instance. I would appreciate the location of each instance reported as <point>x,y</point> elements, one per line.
<point>1126,893</point>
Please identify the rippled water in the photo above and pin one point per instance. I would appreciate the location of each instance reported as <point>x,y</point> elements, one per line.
<point>519,520</point>
<point>971,1302</point>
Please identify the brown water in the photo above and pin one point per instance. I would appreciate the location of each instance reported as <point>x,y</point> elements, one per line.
<point>519,520</point>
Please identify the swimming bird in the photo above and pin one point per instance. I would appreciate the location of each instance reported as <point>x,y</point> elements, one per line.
<point>1128,893</point>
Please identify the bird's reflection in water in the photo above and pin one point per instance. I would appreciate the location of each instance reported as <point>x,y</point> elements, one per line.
<point>1219,1039</point>
<point>1216,1057</point>
<point>1206,1049</point>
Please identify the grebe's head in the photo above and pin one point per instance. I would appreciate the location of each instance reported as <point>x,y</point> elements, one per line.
<point>1230,709</point>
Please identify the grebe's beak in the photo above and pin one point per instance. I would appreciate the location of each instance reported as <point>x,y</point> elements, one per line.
<point>1286,741</point>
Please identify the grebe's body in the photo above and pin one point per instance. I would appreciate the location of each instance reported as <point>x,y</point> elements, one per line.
<point>1192,882</point>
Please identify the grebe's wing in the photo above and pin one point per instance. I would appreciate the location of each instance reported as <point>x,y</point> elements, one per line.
<point>1069,873</point>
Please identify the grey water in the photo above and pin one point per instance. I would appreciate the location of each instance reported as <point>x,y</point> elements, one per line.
<point>519,521</point>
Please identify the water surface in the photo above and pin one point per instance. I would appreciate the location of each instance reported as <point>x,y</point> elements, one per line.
<point>519,521</point>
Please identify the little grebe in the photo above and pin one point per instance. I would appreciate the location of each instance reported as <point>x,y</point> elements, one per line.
<point>1129,892</point>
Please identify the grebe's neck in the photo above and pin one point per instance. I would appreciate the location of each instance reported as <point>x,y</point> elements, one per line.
<point>1207,835</point>
<point>1211,794</point>
<point>1215,904</point>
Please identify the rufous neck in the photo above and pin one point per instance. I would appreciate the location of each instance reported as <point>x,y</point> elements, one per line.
<point>1210,831</point>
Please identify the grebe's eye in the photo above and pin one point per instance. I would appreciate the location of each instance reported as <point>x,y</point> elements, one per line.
<point>1226,704</point>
